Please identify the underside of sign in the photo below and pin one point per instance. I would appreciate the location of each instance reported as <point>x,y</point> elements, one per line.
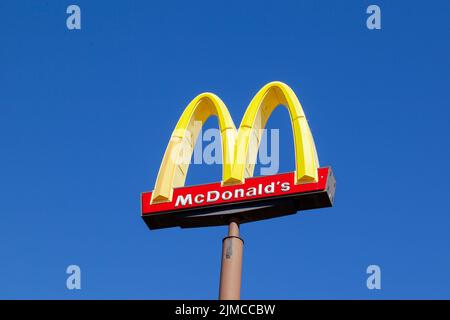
<point>257,198</point>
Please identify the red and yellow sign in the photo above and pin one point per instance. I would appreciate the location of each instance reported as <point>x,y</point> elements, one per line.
<point>239,195</point>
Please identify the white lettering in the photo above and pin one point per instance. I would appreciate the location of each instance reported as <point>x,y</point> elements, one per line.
<point>251,192</point>
<point>270,188</point>
<point>199,198</point>
<point>210,193</point>
<point>285,186</point>
<point>239,193</point>
<point>184,201</point>
<point>226,195</point>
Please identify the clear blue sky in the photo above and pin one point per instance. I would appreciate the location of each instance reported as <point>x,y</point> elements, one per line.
<point>85,117</point>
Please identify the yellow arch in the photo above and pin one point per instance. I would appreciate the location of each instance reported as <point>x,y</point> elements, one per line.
<point>175,164</point>
<point>255,118</point>
<point>239,149</point>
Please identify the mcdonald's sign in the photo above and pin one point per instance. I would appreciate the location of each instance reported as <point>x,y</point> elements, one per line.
<point>239,196</point>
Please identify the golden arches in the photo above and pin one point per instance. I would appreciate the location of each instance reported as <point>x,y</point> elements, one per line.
<point>255,118</point>
<point>239,148</point>
<point>174,166</point>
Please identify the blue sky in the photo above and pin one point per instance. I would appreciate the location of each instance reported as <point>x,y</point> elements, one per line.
<point>85,117</point>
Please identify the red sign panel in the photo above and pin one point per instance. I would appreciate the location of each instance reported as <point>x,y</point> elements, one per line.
<point>264,187</point>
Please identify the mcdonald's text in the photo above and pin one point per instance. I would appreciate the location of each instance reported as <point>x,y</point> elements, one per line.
<point>197,201</point>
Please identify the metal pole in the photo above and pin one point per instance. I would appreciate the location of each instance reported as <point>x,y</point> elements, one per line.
<point>231,270</point>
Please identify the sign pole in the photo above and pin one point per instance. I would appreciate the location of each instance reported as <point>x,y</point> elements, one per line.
<point>231,269</point>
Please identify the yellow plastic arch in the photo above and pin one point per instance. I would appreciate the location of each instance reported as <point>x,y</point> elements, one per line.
<point>239,148</point>
<point>175,164</point>
<point>255,118</point>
